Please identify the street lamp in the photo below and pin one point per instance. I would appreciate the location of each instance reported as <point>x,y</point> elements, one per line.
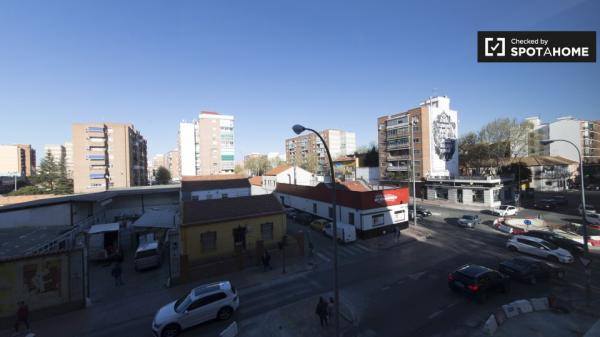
<point>411,124</point>
<point>298,129</point>
<point>583,215</point>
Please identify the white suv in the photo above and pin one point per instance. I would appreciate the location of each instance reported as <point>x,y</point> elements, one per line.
<point>539,247</point>
<point>505,210</point>
<point>204,303</point>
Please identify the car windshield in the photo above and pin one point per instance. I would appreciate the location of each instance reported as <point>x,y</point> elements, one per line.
<point>468,217</point>
<point>503,207</point>
<point>550,245</point>
<point>182,303</point>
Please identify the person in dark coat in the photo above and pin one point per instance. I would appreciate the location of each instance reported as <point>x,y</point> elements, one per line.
<point>266,260</point>
<point>116,273</point>
<point>22,316</point>
<point>321,311</point>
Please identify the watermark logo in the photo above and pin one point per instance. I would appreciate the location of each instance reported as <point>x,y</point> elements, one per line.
<point>495,46</point>
<point>554,46</point>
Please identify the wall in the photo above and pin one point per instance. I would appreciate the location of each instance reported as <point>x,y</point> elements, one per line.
<point>218,194</point>
<point>191,244</point>
<point>369,174</point>
<point>187,149</point>
<point>443,138</point>
<point>9,160</point>
<point>567,129</point>
<point>53,215</point>
<point>53,282</point>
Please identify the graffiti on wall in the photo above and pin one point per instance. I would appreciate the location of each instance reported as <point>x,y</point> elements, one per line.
<point>42,277</point>
<point>444,136</point>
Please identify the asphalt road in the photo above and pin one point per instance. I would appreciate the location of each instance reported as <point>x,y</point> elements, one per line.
<point>401,291</point>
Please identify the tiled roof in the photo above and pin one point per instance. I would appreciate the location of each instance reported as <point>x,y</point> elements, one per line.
<point>256,181</point>
<point>356,186</point>
<point>538,161</point>
<point>277,170</point>
<point>218,210</point>
<point>213,182</point>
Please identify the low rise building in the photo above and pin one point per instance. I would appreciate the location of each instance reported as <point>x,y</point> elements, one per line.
<point>370,212</point>
<point>220,228</point>
<point>214,187</point>
<point>483,191</point>
<point>289,175</point>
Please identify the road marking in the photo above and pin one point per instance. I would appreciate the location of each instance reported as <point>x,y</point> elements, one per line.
<point>323,257</point>
<point>436,214</point>
<point>435,314</point>
<point>360,246</point>
<point>416,276</point>
<point>384,288</point>
<point>354,250</point>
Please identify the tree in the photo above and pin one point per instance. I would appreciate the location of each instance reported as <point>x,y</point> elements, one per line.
<point>257,165</point>
<point>48,175</point>
<point>472,153</point>
<point>310,164</point>
<point>370,156</point>
<point>27,190</point>
<point>518,169</point>
<point>163,176</point>
<point>238,169</point>
<point>506,138</point>
<point>64,185</point>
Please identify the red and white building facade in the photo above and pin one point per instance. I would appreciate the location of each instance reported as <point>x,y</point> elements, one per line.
<point>371,212</point>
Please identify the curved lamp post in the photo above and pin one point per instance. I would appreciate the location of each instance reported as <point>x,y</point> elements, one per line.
<point>583,215</point>
<point>298,129</point>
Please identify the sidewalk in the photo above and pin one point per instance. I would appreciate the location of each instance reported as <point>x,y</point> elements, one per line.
<point>125,305</point>
<point>447,204</point>
<point>298,320</point>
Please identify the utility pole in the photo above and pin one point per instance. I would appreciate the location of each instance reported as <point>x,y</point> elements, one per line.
<point>411,122</point>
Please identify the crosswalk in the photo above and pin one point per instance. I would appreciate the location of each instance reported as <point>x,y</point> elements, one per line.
<point>266,297</point>
<point>347,252</point>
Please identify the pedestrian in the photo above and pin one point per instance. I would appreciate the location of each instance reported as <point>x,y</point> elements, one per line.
<point>321,311</point>
<point>397,233</point>
<point>116,273</point>
<point>330,308</point>
<point>266,260</point>
<point>311,249</point>
<point>22,316</point>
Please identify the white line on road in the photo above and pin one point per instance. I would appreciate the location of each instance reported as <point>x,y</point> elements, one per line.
<point>323,257</point>
<point>435,314</point>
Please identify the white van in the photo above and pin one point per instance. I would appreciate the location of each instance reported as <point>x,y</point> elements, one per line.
<point>345,232</point>
<point>147,256</point>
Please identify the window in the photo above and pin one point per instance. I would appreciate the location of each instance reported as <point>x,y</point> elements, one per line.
<point>399,216</point>
<point>377,220</point>
<point>224,196</point>
<point>266,231</point>
<point>206,300</point>
<point>351,218</point>
<point>195,197</point>
<point>239,237</point>
<point>208,241</point>
<point>314,208</point>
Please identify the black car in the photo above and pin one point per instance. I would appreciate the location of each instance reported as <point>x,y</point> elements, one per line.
<point>531,270</point>
<point>421,211</point>
<point>574,247</point>
<point>546,204</point>
<point>560,200</point>
<point>478,281</point>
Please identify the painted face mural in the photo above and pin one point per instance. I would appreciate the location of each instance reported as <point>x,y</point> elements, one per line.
<point>444,136</point>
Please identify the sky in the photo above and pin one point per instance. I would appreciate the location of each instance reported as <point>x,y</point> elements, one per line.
<point>272,64</point>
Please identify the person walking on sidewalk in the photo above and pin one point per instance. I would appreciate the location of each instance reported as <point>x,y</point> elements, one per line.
<point>330,308</point>
<point>397,233</point>
<point>22,316</point>
<point>266,260</point>
<point>116,273</point>
<point>321,311</point>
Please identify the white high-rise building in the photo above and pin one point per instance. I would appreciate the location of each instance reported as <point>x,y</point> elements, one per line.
<point>206,145</point>
<point>69,158</point>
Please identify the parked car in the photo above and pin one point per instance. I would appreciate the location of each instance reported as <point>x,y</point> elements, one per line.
<point>318,224</point>
<point>572,246</point>
<point>531,270</point>
<point>539,247</point>
<point>345,232</point>
<point>147,255</point>
<point>588,209</point>
<point>469,221</point>
<point>592,187</point>
<point>592,218</point>
<point>203,303</point>
<point>545,204</point>
<point>304,218</point>
<point>505,210</point>
<point>560,200</point>
<point>421,211</point>
<point>478,281</point>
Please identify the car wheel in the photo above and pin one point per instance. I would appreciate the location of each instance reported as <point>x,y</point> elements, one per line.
<point>553,258</point>
<point>171,330</point>
<point>225,313</point>
<point>512,248</point>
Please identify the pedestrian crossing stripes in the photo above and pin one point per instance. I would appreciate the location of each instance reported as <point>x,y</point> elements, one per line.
<point>345,252</point>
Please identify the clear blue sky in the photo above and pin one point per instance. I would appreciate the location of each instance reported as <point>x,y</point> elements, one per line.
<point>273,64</point>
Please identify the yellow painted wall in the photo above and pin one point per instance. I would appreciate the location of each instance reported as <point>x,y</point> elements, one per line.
<point>191,243</point>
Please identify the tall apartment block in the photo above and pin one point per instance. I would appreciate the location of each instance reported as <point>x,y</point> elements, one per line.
<point>206,146</point>
<point>17,160</point>
<point>302,149</point>
<point>107,155</point>
<point>585,134</point>
<point>435,141</point>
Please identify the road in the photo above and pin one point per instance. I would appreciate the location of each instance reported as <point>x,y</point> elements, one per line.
<point>399,291</point>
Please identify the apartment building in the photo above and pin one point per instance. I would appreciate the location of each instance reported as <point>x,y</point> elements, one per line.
<point>307,150</point>
<point>206,146</point>
<point>435,141</point>
<point>107,155</point>
<point>57,151</point>
<point>18,159</point>
<point>69,158</point>
<point>584,134</point>
<point>172,162</point>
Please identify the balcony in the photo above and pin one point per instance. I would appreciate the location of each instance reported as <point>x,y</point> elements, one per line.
<point>401,157</point>
<point>397,146</point>
<point>397,168</point>
<point>94,129</point>
<point>96,157</point>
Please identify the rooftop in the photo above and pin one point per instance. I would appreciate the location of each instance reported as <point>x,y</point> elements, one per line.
<point>256,181</point>
<point>213,182</point>
<point>16,241</point>
<point>277,170</point>
<point>218,210</point>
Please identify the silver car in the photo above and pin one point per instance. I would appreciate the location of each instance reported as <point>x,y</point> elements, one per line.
<point>469,221</point>
<point>203,303</point>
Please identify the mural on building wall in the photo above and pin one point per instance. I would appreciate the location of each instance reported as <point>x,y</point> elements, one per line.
<point>444,136</point>
<point>42,277</point>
